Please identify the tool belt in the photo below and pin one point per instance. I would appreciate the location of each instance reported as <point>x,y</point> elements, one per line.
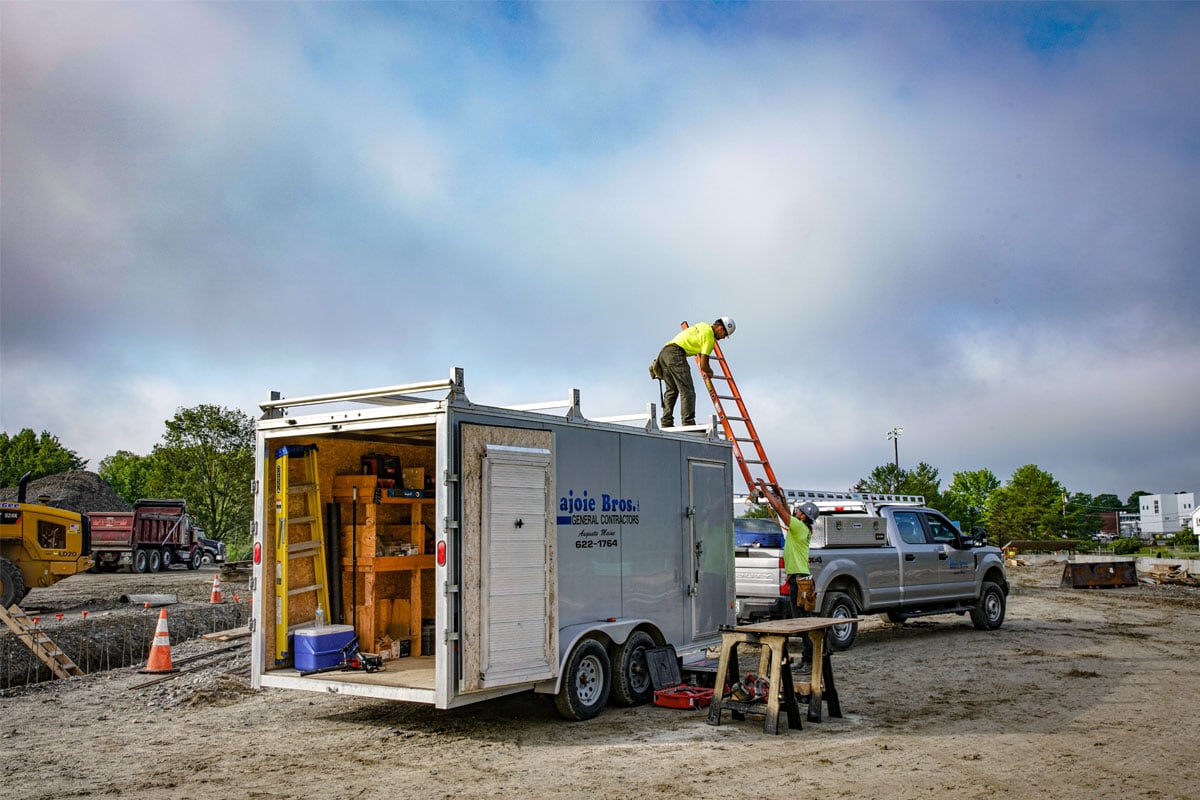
<point>806,592</point>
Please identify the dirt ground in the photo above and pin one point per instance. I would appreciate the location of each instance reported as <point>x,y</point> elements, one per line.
<point>1082,693</point>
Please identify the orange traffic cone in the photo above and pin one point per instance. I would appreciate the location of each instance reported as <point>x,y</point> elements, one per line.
<point>160,652</point>
<point>216,591</point>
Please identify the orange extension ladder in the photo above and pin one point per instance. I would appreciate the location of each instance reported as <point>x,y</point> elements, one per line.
<point>746,434</point>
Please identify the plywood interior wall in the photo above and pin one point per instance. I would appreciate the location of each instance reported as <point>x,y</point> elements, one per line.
<point>334,457</point>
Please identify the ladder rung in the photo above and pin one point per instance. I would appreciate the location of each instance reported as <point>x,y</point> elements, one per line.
<point>725,397</point>
<point>308,520</point>
<point>303,549</point>
<point>305,589</point>
<point>752,461</point>
<point>301,488</point>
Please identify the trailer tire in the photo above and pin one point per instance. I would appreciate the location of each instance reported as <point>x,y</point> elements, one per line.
<point>194,562</point>
<point>166,558</point>
<point>141,561</point>
<point>586,682</point>
<point>155,560</point>
<point>631,673</point>
<point>896,617</point>
<point>12,583</point>
<point>841,606</point>
<point>988,613</point>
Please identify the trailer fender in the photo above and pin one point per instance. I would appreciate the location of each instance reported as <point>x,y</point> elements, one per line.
<point>609,632</point>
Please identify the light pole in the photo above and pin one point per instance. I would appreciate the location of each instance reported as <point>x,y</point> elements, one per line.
<point>894,438</point>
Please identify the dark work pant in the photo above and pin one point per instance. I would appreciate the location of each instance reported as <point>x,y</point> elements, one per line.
<point>798,611</point>
<point>677,375</point>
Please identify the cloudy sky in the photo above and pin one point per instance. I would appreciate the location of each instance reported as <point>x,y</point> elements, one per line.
<point>978,222</point>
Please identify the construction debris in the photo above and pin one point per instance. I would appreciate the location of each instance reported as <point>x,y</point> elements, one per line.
<point>1169,573</point>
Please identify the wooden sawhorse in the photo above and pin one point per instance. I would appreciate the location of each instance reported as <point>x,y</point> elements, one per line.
<point>773,664</point>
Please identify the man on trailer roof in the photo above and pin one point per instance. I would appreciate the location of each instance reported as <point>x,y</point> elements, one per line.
<point>672,368</point>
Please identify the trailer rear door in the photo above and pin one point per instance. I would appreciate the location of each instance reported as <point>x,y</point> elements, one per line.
<point>510,628</point>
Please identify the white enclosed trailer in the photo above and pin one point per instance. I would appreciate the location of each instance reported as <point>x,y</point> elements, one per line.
<point>519,549</point>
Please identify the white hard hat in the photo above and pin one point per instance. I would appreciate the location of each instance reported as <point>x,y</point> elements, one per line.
<point>728,323</point>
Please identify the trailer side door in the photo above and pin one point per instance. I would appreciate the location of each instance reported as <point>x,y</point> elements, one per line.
<point>510,629</point>
<point>711,544</point>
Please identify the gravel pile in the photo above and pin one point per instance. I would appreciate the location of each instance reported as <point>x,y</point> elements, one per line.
<point>80,491</point>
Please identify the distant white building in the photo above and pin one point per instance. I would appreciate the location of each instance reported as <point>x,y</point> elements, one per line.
<point>1166,513</point>
<point>1196,522</point>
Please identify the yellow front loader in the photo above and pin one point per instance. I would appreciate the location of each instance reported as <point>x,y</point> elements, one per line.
<point>39,545</point>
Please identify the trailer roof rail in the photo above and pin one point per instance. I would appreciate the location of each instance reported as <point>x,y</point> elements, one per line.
<point>388,395</point>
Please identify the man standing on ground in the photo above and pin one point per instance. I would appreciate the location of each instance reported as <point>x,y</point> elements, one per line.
<point>671,366</point>
<point>798,524</point>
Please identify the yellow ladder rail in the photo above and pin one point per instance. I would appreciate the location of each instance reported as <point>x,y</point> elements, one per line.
<point>299,535</point>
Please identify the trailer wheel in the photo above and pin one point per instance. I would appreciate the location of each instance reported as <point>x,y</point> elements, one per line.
<point>840,606</point>
<point>586,682</point>
<point>631,675</point>
<point>155,560</point>
<point>141,560</point>
<point>896,617</point>
<point>12,583</point>
<point>166,558</point>
<point>988,613</point>
<point>194,562</point>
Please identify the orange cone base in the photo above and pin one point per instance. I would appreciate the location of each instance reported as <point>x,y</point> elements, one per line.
<point>148,671</point>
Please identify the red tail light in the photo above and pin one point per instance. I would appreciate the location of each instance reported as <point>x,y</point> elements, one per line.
<point>783,587</point>
<point>441,554</point>
<point>258,552</point>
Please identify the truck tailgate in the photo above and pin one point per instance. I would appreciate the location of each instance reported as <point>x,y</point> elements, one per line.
<point>759,572</point>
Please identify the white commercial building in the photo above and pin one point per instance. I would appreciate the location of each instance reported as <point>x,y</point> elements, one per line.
<point>1166,513</point>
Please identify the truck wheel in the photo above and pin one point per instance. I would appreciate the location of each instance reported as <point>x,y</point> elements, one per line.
<point>840,605</point>
<point>585,683</point>
<point>988,613</point>
<point>166,558</point>
<point>896,618</point>
<point>631,678</point>
<point>155,561</point>
<point>141,561</point>
<point>12,583</point>
<point>194,562</point>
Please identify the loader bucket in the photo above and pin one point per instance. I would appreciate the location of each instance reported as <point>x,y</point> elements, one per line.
<point>1100,575</point>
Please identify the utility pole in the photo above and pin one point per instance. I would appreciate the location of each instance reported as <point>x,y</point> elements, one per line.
<point>894,437</point>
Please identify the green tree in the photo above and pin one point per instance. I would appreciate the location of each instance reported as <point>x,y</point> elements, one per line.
<point>759,512</point>
<point>1032,505</point>
<point>1107,502</point>
<point>207,458</point>
<point>40,455</point>
<point>966,498</point>
<point>890,479</point>
<point>127,473</point>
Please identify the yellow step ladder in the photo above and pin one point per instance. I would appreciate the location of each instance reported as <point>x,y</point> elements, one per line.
<point>37,641</point>
<point>738,436</point>
<point>299,537</point>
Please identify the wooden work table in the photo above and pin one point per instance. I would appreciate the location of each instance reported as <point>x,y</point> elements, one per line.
<point>772,640</point>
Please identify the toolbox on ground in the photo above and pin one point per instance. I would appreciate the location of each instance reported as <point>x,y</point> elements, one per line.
<point>320,648</point>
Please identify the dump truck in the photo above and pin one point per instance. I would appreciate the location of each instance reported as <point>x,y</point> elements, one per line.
<point>484,550</point>
<point>39,546</point>
<point>156,535</point>
<point>873,553</point>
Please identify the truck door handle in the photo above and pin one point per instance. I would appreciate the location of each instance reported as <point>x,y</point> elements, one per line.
<point>910,557</point>
<point>942,556</point>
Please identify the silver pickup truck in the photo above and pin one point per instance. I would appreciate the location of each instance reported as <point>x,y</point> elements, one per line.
<point>869,555</point>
